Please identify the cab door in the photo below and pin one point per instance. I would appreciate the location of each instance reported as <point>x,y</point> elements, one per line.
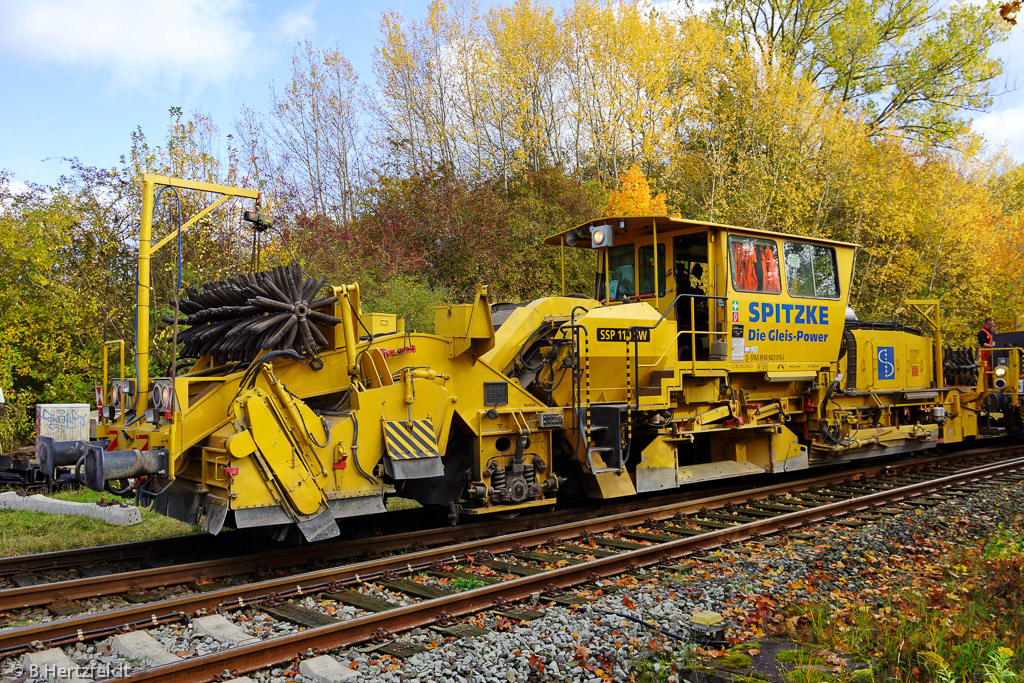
<point>693,278</point>
<point>650,270</point>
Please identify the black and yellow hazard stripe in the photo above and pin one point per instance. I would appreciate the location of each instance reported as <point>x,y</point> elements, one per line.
<point>409,440</point>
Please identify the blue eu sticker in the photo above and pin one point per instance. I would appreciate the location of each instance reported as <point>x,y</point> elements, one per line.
<point>886,366</point>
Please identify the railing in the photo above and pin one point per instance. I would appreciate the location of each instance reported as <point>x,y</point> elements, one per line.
<point>581,367</point>
<point>119,342</point>
<point>711,334</point>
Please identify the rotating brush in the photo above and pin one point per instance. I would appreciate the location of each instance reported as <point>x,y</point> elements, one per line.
<point>237,318</point>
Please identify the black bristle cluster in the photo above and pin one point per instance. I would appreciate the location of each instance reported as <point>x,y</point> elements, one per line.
<point>237,318</point>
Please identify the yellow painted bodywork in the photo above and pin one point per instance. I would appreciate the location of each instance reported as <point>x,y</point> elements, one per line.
<point>700,379</point>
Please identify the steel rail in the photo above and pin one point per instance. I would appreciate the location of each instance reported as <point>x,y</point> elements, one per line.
<point>246,658</point>
<point>46,593</point>
<point>78,627</point>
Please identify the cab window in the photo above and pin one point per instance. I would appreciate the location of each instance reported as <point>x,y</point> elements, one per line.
<point>647,270</point>
<point>621,274</point>
<point>755,264</point>
<point>811,270</point>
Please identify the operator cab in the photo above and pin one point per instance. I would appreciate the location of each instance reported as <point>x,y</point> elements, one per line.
<point>742,299</point>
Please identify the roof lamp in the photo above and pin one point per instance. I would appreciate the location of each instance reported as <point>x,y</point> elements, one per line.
<point>600,236</point>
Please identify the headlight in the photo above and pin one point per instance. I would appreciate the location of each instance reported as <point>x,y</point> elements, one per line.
<point>600,236</point>
<point>1000,371</point>
<point>161,397</point>
<point>115,394</point>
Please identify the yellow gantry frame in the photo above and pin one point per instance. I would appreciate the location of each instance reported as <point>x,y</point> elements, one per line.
<point>146,251</point>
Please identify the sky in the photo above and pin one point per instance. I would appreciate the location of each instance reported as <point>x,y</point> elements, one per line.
<point>80,75</point>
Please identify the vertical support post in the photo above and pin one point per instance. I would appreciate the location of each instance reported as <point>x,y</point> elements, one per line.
<point>693,332</point>
<point>142,286</point>
<point>657,270</point>
<point>563,265</point>
<point>607,277</point>
<point>348,328</point>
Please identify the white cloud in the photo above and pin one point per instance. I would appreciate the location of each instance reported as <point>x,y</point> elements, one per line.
<point>1004,127</point>
<point>200,41</point>
<point>296,24</point>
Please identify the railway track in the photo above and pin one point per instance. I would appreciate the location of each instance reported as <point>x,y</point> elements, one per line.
<point>59,581</point>
<point>394,594</point>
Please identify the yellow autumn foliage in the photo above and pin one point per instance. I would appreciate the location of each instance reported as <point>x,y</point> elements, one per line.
<point>633,197</point>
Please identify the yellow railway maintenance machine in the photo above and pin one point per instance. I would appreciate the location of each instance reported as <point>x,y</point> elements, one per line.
<point>706,351</point>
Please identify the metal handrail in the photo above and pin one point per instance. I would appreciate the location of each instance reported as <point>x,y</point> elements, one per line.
<point>119,342</point>
<point>692,332</point>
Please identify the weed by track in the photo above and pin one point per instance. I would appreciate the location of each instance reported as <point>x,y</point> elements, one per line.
<point>960,617</point>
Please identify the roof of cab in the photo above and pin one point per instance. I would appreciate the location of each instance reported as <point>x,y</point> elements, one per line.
<point>643,225</point>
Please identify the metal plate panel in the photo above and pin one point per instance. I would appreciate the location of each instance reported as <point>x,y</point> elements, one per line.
<point>410,439</point>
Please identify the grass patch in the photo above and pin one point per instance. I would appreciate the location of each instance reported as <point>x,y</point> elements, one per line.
<point>659,665</point>
<point>24,533</point>
<point>464,583</point>
<point>958,618</point>
<point>809,676</point>
<point>799,657</point>
<point>394,503</point>
<point>734,660</point>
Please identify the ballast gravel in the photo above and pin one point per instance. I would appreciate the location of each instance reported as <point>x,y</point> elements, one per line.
<point>587,645</point>
<point>599,641</point>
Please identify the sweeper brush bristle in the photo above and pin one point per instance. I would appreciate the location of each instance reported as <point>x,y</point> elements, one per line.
<point>235,319</point>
